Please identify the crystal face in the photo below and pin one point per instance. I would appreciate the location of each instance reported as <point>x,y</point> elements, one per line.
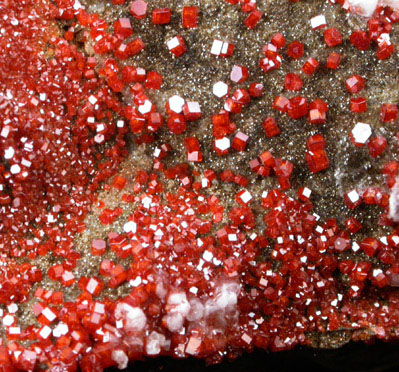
<point>197,180</point>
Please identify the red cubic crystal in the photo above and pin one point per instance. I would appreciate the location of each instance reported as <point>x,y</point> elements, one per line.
<point>119,182</point>
<point>281,104</point>
<point>370,246</point>
<point>295,50</point>
<point>353,225</point>
<point>316,142</point>
<point>352,199</point>
<point>153,80</point>
<point>278,40</point>
<point>256,90</point>
<point>177,124</point>
<point>98,247</point>
<point>192,111</point>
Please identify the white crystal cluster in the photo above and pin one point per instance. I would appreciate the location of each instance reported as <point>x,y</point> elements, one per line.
<point>183,312</point>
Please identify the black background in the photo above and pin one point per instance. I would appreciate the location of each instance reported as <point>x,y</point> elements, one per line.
<point>353,357</point>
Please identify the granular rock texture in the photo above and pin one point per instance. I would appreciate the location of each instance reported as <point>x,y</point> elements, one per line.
<point>195,178</point>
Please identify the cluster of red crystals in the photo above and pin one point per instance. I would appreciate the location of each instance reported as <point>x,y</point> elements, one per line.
<point>180,112</point>
<point>191,292</point>
<point>250,7</point>
<point>378,32</point>
<point>265,162</point>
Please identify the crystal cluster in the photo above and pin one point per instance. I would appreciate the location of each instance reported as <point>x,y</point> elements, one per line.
<point>183,251</point>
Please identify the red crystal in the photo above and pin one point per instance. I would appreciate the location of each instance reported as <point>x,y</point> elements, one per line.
<point>370,246</point>
<point>292,82</point>
<point>333,61</point>
<point>176,46</point>
<point>161,16</point>
<point>153,80</point>
<point>297,107</point>
<point>238,74</point>
<point>316,142</point>
<point>295,50</point>
<point>240,141</point>
<point>278,40</point>
<point>177,124</point>
<point>360,40</point>
<point>98,247</point>
<point>123,28</point>
<point>385,50</point>
<point>256,90</point>
<point>135,47</point>
<point>317,160</point>
<point>377,146</point>
<point>190,17</point>
<point>353,225</point>
<point>119,182</point>
<point>193,149</point>
<point>281,103</point>
<point>310,66</point>
<point>332,37</point>
<point>138,9</point>
<point>389,112</point>
<point>270,127</point>
<point>352,199</point>
<point>358,104</point>
<point>355,84</point>
<point>253,18</point>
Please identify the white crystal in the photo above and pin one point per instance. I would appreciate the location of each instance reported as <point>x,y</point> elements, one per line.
<point>222,144</point>
<point>318,21</point>
<point>361,133</point>
<point>220,89</point>
<point>176,104</point>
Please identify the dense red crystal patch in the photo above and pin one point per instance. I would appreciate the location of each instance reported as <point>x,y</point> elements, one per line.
<point>201,279</point>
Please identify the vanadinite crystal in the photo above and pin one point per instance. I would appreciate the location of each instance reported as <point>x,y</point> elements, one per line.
<point>175,184</point>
